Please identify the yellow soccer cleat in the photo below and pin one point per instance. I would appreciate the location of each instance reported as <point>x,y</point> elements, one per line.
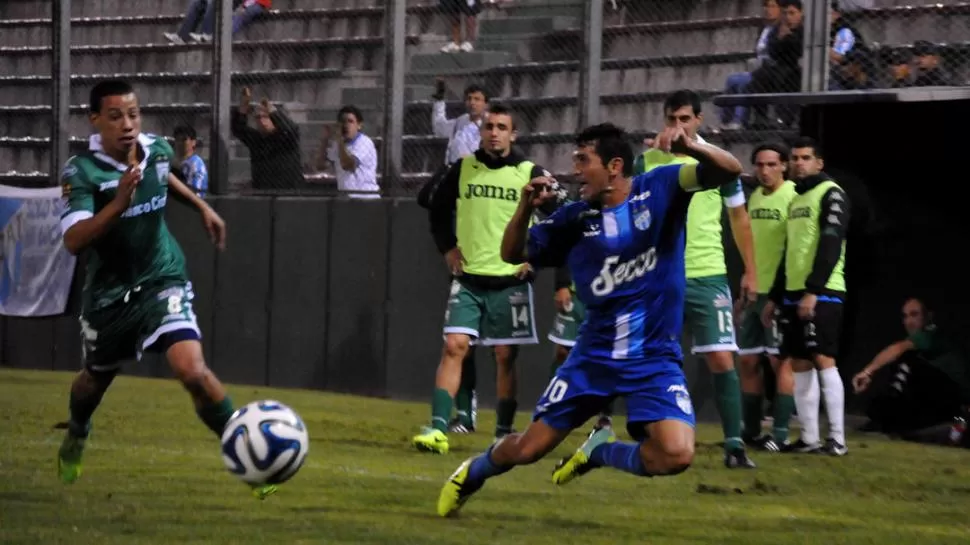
<point>69,458</point>
<point>455,493</point>
<point>578,464</point>
<point>263,491</point>
<point>431,440</point>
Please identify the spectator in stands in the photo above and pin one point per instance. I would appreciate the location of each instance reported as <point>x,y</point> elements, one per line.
<point>351,154</point>
<point>454,9</point>
<point>931,381</point>
<point>854,71</point>
<point>899,70</point>
<point>843,39</point>
<point>929,72</point>
<point>193,172</point>
<point>245,12</point>
<point>780,72</point>
<point>274,147</point>
<point>733,118</point>
<point>464,131</point>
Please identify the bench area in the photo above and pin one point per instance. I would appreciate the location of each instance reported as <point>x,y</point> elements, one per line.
<point>313,59</point>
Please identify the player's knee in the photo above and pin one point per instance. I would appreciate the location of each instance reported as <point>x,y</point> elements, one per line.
<point>675,457</point>
<point>456,346</point>
<point>720,362</point>
<point>505,356</point>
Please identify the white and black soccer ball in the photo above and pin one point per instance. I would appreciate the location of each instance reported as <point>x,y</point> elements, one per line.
<point>265,442</point>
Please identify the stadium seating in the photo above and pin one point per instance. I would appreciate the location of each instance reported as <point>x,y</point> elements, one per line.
<point>314,59</point>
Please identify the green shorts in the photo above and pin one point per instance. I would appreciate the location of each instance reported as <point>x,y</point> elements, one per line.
<point>754,337</point>
<point>135,324</point>
<point>565,327</point>
<point>492,316</point>
<point>709,315</point>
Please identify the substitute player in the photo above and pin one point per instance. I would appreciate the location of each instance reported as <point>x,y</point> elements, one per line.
<point>768,210</point>
<point>570,313</point>
<point>709,311</point>
<point>624,244</point>
<point>810,290</point>
<point>490,300</point>
<point>137,296</point>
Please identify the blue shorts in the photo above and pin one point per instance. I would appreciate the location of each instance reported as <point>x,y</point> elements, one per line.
<point>583,386</point>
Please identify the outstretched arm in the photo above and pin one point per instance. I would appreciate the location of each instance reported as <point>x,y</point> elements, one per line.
<point>715,167</point>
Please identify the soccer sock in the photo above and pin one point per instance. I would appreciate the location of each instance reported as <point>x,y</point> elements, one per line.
<point>505,416</point>
<point>466,391</point>
<point>618,455</point>
<point>81,408</point>
<point>753,404</point>
<point>784,407</point>
<point>440,409</point>
<point>216,415</point>
<point>806,401</point>
<point>834,393</point>
<point>727,391</point>
<point>481,468</point>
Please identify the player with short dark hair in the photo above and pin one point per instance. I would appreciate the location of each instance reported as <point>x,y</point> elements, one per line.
<point>810,290</point>
<point>137,296</point>
<point>624,244</point>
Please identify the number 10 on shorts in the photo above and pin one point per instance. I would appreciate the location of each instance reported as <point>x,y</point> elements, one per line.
<point>555,391</point>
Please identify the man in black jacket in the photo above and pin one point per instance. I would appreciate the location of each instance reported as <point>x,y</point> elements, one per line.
<point>274,147</point>
<point>780,72</point>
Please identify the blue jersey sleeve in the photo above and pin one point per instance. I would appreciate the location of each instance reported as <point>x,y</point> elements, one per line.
<point>551,239</point>
<point>196,175</point>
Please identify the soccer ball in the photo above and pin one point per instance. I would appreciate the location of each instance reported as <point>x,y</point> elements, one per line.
<point>265,442</point>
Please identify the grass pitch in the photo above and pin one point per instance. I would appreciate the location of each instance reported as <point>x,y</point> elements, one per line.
<point>153,475</point>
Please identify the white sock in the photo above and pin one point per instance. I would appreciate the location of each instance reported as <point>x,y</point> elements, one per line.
<point>806,401</point>
<point>834,402</point>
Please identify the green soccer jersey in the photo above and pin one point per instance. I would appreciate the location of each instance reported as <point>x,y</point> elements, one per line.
<point>704,254</point>
<point>138,251</point>
<point>945,354</point>
<point>769,215</point>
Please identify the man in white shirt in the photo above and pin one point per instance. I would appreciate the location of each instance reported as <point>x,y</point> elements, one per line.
<point>463,132</point>
<point>352,155</point>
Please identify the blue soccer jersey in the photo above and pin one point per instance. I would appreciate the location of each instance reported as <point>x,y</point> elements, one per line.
<point>627,264</point>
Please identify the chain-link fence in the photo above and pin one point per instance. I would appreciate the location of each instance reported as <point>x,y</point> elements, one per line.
<point>321,67</point>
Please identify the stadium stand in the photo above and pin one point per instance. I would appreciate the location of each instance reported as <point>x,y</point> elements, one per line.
<point>315,59</point>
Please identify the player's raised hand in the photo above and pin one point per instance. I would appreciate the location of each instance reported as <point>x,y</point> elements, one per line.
<point>127,185</point>
<point>673,140</point>
<point>215,226</point>
<point>538,192</point>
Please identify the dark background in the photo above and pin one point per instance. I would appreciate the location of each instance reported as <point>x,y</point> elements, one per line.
<point>350,296</point>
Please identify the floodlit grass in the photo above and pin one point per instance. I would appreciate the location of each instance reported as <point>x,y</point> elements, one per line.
<point>153,474</point>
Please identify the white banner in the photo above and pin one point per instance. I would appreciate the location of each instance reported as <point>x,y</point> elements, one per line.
<point>35,268</point>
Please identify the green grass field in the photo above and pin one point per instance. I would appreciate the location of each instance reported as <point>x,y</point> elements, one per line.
<point>153,475</point>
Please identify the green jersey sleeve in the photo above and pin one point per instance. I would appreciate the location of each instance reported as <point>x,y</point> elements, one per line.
<point>78,194</point>
<point>732,194</point>
<point>926,340</point>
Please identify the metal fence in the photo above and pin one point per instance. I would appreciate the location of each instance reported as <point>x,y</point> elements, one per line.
<point>405,67</point>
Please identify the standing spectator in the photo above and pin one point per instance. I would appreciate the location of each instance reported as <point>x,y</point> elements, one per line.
<point>899,70</point>
<point>193,171</point>
<point>843,39</point>
<point>929,72</point>
<point>454,9</point>
<point>245,12</point>
<point>780,72</point>
<point>351,154</point>
<point>464,131</point>
<point>274,147</point>
<point>733,118</point>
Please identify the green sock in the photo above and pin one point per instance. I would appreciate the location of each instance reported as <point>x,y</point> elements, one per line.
<point>504,416</point>
<point>727,392</point>
<point>216,415</point>
<point>784,407</point>
<point>440,410</point>
<point>752,404</point>
<point>466,391</point>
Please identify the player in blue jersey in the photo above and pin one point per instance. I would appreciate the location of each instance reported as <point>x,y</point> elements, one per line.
<point>624,245</point>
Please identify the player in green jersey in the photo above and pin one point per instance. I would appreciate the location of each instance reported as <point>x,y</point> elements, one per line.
<point>708,307</point>
<point>757,335</point>
<point>137,296</point>
<point>491,301</point>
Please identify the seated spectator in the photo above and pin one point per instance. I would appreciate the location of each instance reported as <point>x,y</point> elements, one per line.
<point>780,72</point>
<point>351,155</point>
<point>843,39</point>
<point>454,9</point>
<point>854,71</point>
<point>274,147</point>
<point>192,168</point>
<point>899,71</point>
<point>931,381</point>
<point>245,12</point>
<point>734,117</point>
<point>929,72</point>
